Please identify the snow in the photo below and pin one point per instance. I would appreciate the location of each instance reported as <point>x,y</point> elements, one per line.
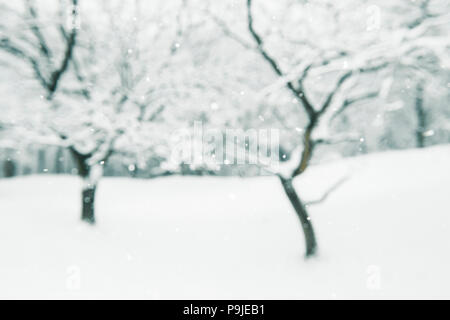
<point>382,234</point>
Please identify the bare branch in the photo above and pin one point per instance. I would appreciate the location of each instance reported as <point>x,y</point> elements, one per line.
<point>330,97</point>
<point>260,43</point>
<point>157,113</point>
<point>70,45</point>
<point>271,61</point>
<point>51,84</point>
<point>37,31</point>
<point>351,101</point>
<point>335,141</point>
<point>325,196</point>
<point>344,78</point>
<point>228,32</point>
<point>12,49</point>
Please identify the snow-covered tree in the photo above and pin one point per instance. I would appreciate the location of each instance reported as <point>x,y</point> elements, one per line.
<point>122,78</point>
<point>426,66</point>
<point>330,56</point>
<point>36,46</point>
<point>130,77</point>
<point>43,43</point>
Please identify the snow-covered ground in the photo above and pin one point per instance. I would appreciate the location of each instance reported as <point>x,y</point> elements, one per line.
<point>385,233</point>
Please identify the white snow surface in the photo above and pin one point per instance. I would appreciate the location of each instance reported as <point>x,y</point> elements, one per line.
<point>385,233</point>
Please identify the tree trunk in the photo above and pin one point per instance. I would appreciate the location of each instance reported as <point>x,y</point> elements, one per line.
<point>59,165</point>
<point>90,183</point>
<point>421,116</point>
<point>90,174</point>
<point>308,230</point>
<point>41,161</point>
<point>88,203</point>
<point>9,168</point>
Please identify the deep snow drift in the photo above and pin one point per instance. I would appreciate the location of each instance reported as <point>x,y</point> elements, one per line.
<point>385,233</point>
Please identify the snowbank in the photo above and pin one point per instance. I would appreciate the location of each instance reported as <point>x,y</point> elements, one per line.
<point>383,234</point>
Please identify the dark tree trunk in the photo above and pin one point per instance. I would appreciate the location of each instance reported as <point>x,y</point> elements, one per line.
<point>421,116</point>
<point>88,204</point>
<point>41,161</point>
<point>80,161</point>
<point>89,186</point>
<point>9,168</point>
<point>59,161</point>
<point>308,230</point>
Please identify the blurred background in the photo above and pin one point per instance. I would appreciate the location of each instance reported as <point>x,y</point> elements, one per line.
<point>75,74</point>
<point>357,92</point>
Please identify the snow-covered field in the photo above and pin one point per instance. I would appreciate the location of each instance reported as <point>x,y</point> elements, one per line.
<point>385,233</point>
